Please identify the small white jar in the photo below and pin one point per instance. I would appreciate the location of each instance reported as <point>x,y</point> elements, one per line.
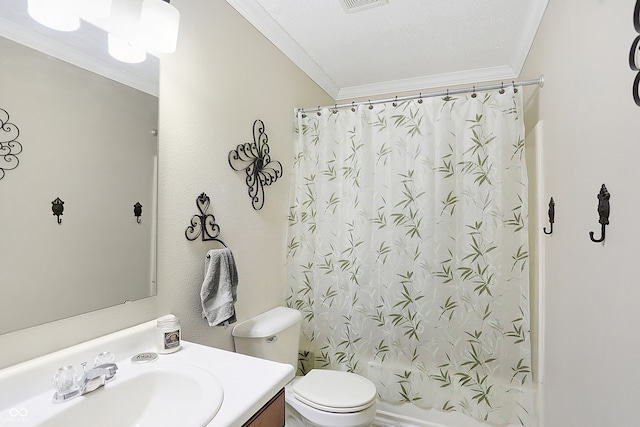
<point>168,335</point>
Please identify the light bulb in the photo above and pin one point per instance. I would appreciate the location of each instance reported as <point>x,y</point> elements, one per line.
<point>159,22</point>
<point>123,51</point>
<point>53,14</point>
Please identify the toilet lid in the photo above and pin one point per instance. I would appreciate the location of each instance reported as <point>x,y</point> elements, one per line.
<point>335,391</point>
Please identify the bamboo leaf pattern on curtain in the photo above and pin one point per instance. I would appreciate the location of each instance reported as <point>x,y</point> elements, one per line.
<point>407,252</point>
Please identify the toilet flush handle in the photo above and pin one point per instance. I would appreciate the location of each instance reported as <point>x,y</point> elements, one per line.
<point>272,339</point>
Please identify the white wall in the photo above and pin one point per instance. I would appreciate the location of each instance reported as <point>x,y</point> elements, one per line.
<point>590,138</point>
<point>223,76</point>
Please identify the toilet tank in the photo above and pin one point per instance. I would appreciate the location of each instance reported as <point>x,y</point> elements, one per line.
<point>273,335</point>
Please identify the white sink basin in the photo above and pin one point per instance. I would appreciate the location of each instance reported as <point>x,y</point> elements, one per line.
<point>153,394</point>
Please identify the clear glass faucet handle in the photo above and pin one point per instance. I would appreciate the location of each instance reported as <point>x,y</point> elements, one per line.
<point>104,357</point>
<point>64,380</point>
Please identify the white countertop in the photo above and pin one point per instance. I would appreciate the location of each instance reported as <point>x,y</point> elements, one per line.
<point>248,383</point>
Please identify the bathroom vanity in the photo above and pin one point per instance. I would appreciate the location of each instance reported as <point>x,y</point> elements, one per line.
<point>195,386</point>
<point>271,414</point>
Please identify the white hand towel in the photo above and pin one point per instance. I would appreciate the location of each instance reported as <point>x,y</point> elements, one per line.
<point>218,293</point>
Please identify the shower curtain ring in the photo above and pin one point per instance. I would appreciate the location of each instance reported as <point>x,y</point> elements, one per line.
<point>395,102</point>
<point>353,106</point>
<point>319,113</point>
<point>515,89</point>
<point>474,94</point>
<point>501,88</point>
<point>370,106</point>
<point>420,98</point>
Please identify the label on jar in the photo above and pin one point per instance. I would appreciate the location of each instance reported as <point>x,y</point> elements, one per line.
<point>172,339</point>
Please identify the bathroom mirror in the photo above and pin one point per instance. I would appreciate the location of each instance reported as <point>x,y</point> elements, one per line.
<point>88,136</point>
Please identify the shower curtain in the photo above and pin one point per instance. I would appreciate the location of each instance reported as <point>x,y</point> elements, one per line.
<point>407,251</point>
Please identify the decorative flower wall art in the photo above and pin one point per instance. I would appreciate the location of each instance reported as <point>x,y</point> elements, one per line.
<point>634,54</point>
<point>254,158</point>
<point>9,145</point>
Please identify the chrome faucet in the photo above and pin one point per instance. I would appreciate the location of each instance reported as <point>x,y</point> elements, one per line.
<point>96,377</point>
<point>91,380</point>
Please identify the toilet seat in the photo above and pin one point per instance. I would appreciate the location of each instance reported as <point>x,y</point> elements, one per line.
<point>335,391</point>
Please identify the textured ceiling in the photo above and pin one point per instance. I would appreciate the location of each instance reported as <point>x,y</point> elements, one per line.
<point>402,45</point>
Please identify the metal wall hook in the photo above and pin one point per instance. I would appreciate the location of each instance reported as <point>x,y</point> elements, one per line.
<point>57,206</point>
<point>603,211</point>
<point>552,216</point>
<point>137,211</point>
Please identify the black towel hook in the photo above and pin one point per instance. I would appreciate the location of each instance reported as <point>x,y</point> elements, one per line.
<point>552,216</point>
<point>137,212</point>
<point>57,207</point>
<point>603,211</point>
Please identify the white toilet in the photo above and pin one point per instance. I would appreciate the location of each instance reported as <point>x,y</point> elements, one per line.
<point>322,398</point>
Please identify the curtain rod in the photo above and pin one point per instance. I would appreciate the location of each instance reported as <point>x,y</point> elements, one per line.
<point>539,81</point>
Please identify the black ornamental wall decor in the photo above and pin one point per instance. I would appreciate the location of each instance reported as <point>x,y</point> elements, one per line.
<point>9,145</point>
<point>254,158</point>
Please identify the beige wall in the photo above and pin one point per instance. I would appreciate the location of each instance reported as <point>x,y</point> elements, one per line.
<point>590,138</point>
<point>223,76</point>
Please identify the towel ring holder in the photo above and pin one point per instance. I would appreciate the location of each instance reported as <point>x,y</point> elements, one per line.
<point>204,224</point>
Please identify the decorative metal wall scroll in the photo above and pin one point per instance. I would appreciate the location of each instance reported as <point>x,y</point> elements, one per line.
<point>552,216</point>
<point>137,211</point>
<point>204,224</point>
<point>57,206</point>
<point>9,145</point>
<point>603,211</point>
<point>254,158</point>
<point>634,54</point>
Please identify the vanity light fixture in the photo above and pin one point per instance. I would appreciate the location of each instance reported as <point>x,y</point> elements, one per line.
<point>123,51</point>
<point>154,29</point>
<point>53,14</point>
<point>159,22</point>
<point>64,15</point>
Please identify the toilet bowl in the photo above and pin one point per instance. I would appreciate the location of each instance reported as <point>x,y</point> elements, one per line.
<point>321,398</point>
<point>325,398</point>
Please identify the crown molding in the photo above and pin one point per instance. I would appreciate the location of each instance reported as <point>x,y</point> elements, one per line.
<point>428,82</point>
<point>265,24</point>
<point>253,12</point>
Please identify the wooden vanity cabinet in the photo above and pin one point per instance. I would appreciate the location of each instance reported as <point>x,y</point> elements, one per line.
<point>270,415</point>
